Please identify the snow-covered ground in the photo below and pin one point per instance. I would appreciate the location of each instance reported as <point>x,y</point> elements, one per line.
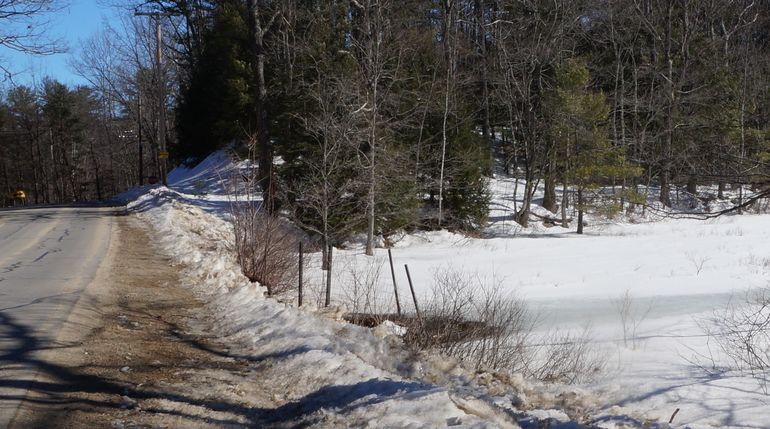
<point>675,273</point>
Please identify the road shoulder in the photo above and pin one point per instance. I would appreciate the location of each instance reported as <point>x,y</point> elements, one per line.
<point>138,366</point>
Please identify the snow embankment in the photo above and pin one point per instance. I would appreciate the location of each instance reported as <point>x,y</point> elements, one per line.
<point>320,371</point>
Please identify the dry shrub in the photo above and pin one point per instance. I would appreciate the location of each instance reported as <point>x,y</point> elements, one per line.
<point>565,357</point>
<point>742,333</point>
<point>266,248</point>
<point>631,316</point>
<point>362,292</point>
<point>469,317</point>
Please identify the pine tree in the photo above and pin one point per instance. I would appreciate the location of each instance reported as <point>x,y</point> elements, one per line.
<point>586,158</point>
<point>213,110</point>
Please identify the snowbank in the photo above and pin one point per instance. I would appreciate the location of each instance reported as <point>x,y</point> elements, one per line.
<point>325,372</point>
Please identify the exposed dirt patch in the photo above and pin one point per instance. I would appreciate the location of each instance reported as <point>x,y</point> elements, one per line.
<point>139,367</point>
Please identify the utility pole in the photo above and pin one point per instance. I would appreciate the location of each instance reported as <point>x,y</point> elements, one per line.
<point>162,151</point>
<point>141,145</point>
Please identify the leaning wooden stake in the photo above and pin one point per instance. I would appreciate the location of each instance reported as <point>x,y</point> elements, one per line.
<point>329,278</point>
<point>299,299</point>
<point>414,297</point>
<point>671,420</point>
<point>395,286</point>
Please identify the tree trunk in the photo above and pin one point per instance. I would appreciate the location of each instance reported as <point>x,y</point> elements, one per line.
<point>522,216</point>
<point>265,177</point>
<point>443,155</point>
<point>665,174</point>
<point>530,186</point>
<point>7,181</point>
<point>373,60</point>
<point>325,254</point>
<point>665,187</point>
<point>35,167</point>
<point>564,203</point>
<point>43,171</point>
<point>580,210</point>
<point>515,164</point>
<point>97,175</point>
<point>373,178</point>
<point>483,51</point>
<point>448,58</point>
<point>549,197</point>
<point>139,138</point>
<point>692,185</point>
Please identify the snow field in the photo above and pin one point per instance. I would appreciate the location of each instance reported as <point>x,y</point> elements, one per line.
<point>677,273</point>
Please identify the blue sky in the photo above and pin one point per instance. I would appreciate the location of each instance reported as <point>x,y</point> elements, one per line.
<point>79,20</point>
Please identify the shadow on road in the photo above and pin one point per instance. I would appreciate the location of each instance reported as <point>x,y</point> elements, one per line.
<point>58,389</point>
<point>38,213</point>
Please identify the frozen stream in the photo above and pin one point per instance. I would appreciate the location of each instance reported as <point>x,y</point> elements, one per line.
<point>604,312</point>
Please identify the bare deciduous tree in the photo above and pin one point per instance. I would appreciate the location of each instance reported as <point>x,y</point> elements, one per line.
<point>24,27</point>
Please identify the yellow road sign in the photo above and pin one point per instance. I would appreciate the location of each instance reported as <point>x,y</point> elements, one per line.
<point>19,194</point>
<point>163,155</point>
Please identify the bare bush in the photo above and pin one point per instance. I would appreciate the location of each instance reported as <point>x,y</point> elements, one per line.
<point>468,317</point>
<point>742,333</point>
<point>266,247</point>
<point>697,262</point>
<point>762,265</point>
<point>630,316</point>
<point>565,357</point>
<point>362,292</point>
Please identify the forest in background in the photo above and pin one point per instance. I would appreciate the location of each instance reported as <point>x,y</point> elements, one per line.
<point>372,116</point>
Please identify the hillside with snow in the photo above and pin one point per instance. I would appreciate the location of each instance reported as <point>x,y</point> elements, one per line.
<point>641,292</point>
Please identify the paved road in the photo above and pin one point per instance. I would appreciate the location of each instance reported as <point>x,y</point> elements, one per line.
<point>47,258</point>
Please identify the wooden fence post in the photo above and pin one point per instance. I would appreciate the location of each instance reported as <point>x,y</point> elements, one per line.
<point>299,300</point>
<point>395,286</point>
<point>414,297</point>
<point>329,278</point>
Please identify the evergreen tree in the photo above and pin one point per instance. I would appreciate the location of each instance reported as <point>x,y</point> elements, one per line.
<point>579,115</point>
<point>213,109</point>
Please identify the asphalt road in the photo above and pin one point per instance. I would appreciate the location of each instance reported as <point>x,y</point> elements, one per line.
<point>48,256</point>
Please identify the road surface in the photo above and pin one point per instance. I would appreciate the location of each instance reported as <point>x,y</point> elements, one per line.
<point>48,256</point>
